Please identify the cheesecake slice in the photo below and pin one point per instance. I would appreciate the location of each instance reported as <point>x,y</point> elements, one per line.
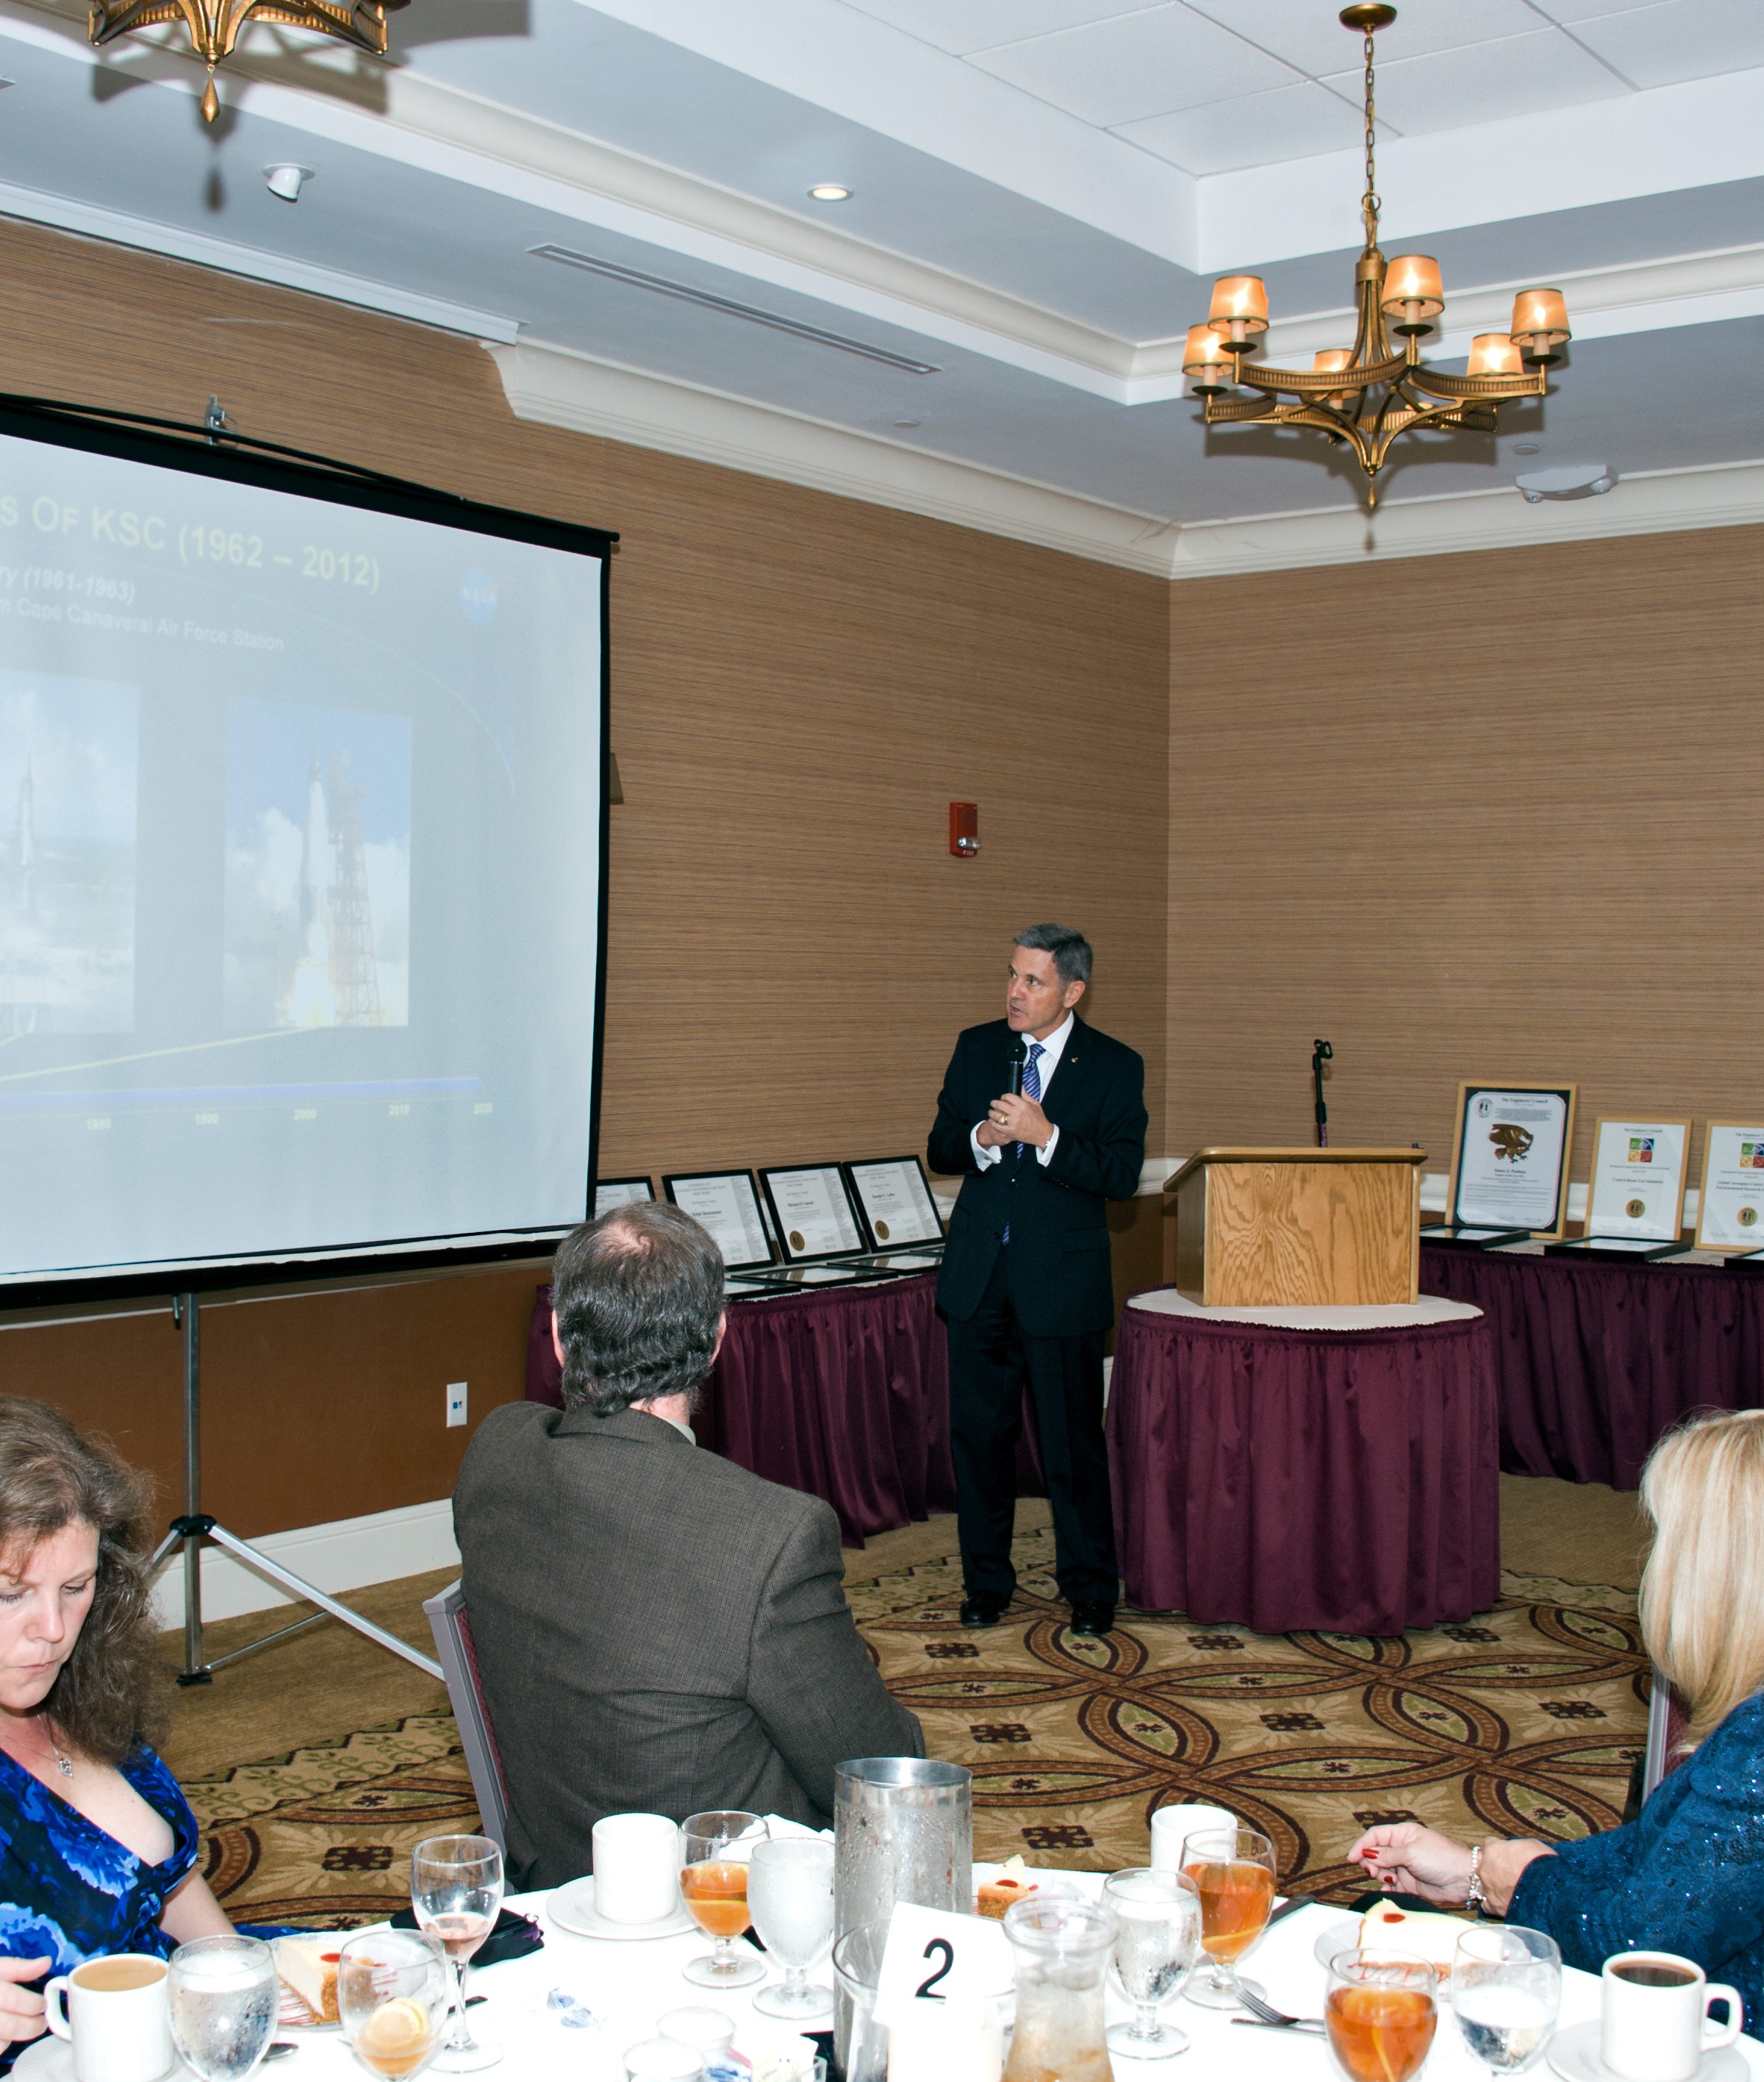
<point>308,1965</point>
<point>1418,1932</point>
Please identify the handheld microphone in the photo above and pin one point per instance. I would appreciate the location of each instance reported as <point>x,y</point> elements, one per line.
<point>1019,1057</point>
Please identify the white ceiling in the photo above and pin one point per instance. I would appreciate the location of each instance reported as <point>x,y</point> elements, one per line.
<point>1041,190</point>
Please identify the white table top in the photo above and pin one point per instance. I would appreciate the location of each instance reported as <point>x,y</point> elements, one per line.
<point>1395,1316</point>
<point>628,1986</point>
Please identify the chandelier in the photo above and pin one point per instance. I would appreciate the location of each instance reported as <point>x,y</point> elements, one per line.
<point>215,25</point>
<point>1364,396</point>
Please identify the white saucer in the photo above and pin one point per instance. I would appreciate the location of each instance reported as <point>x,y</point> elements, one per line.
<point>572,1908</point>
<point>1574,2055</point>
<point>51,2059</point>
<point>1333,1937</point>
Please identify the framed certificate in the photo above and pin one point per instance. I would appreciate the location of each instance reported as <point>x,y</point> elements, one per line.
<point>894,1197</point>
<point>1637,1190</point>
<point>726,1204</point>
<point>1509,1156</point>
<point>812,1212</point>
<point>611,1193</point>
<point>1731,1216</point>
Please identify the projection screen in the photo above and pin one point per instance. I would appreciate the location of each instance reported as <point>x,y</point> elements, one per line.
<point>302,789</point>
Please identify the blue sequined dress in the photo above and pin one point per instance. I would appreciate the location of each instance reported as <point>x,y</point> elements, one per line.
<point>1685,1876</point>
<point>68,1891</point>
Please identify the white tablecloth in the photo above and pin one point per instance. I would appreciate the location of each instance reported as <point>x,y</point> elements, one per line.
<point>629,1986</point>
<point>1394,1315</point>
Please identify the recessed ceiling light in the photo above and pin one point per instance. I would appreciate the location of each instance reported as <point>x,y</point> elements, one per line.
<point>830,191</point>
<point>906,422</point>
<point>1528,448</point>
<point>285,182</point>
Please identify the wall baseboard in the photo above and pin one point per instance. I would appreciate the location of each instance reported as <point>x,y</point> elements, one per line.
<point>340,1557</point>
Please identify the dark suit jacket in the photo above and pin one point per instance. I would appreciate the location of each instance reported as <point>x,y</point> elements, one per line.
<point>1060,1282</point>
<point>657,1630</point>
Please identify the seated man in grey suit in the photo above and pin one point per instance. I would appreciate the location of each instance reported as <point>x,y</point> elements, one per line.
<point>657,1629</point>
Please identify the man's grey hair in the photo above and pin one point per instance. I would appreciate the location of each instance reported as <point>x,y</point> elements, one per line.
<point>1071,950</point>
<point>638,1296</point>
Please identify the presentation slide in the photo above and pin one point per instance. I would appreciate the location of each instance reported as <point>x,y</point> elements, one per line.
<point>300,862</point>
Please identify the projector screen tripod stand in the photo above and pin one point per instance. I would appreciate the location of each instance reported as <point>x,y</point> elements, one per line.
<point>196,1526</point>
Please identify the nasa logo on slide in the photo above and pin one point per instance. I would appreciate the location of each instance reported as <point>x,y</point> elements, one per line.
<point>478,596</point>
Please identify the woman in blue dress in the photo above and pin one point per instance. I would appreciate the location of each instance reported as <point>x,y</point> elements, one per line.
<point>97,1847</point>
<point>1687,1874</point>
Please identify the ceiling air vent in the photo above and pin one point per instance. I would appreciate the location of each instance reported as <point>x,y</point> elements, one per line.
<point>636,279</point>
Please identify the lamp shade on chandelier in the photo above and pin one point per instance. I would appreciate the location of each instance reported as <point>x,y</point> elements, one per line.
<point>1365,397</point>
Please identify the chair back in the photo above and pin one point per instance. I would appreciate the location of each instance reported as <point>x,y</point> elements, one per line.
<point>1667,1721</point>
<point>452,1627</point>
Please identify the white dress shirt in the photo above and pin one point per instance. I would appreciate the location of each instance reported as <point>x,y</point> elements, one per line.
<point>1052,1049</point>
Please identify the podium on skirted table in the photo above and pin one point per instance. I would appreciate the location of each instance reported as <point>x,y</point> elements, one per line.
<point>1297,1228</point>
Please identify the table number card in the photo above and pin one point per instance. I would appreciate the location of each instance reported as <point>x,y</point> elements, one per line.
<point>1730,1215</point>
<point>1509,1156</point>
<point>934,1956</point>
<point>1637,1186</point>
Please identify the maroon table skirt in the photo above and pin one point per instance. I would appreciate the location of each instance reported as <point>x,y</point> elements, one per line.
<point>1346,1482</point>
<point>843,1393</point>
<point>1595,1362</point>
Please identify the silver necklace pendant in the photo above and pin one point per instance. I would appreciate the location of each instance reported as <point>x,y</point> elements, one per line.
<point>64,1764</point>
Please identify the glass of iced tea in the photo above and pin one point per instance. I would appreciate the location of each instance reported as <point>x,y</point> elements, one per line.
<point>1233,1872</point>
<point>713,1885</point>
<point>1379,2015</point>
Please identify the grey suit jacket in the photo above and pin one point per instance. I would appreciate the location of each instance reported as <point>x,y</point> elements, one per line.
<point>657,1629</point>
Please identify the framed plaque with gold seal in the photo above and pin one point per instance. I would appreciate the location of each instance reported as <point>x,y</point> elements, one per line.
<point>1730,1215</point>
<point>1509,1157</point>
<point>1637,1187</point>
<point>812,1212</point>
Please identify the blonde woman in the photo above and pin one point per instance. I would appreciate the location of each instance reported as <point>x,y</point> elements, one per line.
<point>1687,1874</point>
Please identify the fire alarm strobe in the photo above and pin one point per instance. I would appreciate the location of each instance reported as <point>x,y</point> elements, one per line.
<point>964,829</point>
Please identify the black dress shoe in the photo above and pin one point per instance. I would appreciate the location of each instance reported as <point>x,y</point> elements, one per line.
<point>982,1611</point>
<point>1094,1619</point>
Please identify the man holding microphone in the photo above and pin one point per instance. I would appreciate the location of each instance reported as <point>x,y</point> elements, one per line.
<point>1044,1120</point>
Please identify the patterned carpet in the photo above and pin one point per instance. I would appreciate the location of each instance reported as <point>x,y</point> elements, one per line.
<point>1524,1721</point>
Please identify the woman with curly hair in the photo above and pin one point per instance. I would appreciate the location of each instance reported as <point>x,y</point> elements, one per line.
<point>1687,1874</point>
<point>98,1846</point>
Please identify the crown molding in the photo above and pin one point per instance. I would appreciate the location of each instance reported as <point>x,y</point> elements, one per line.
<point>559,387</point>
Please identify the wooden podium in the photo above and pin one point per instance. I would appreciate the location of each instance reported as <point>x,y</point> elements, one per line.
<point>1297,1228</point>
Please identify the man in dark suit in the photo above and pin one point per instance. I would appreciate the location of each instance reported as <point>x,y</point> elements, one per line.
<point>657,1629</point>
<point>1025,1288</point>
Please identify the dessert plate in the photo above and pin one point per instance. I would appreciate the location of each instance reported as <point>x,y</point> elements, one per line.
<point>572,1908</point>
<point>1339,1936</point>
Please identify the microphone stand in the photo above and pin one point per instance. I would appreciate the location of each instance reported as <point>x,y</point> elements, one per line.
<point>1321,1053</point>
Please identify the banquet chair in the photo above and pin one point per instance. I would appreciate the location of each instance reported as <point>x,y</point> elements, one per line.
<point>452,1627</point>
<point>1666,1723</point>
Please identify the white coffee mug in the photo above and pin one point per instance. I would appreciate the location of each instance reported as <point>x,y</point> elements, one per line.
<point>117,2017</point>
<point>636,1868</point>
<point>1171,1825</point>
<point>1656,2025</point>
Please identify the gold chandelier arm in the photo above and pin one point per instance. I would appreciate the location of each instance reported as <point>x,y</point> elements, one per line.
<point>1442,384</point>
<point>109,21</point>
<point>1220,411</point>
<point>1320,383</point>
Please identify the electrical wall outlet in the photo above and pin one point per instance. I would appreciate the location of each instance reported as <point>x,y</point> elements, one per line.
<point>455,1402</point>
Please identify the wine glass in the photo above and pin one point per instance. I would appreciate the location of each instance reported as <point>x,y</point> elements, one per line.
<point>713,1887</point>
<point>1379,2015</point>
<point>790,1897</point>
<point>393,1990</point>
<point>224,2003</point>
<point>1506,1989</point>
<point>1159,1941</point>
<point>1233,1870</point>
<point>457,1891</point>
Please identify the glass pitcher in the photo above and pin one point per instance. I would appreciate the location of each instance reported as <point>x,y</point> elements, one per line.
<point>1062,1949</point>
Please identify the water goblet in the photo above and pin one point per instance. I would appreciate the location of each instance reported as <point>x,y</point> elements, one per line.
<point>393,1988</point>
<point>1379,2015</point>
<point>224,2001</point>
<point>1233,1870</point>
<point>790,1898</point>
<point>457,1891</point>
<point>1506,1989</point>
<point>713,1886</point>
<point>1158,1942</point>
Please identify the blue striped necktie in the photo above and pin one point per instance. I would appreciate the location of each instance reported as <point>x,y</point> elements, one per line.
<point>1032,1090</point>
